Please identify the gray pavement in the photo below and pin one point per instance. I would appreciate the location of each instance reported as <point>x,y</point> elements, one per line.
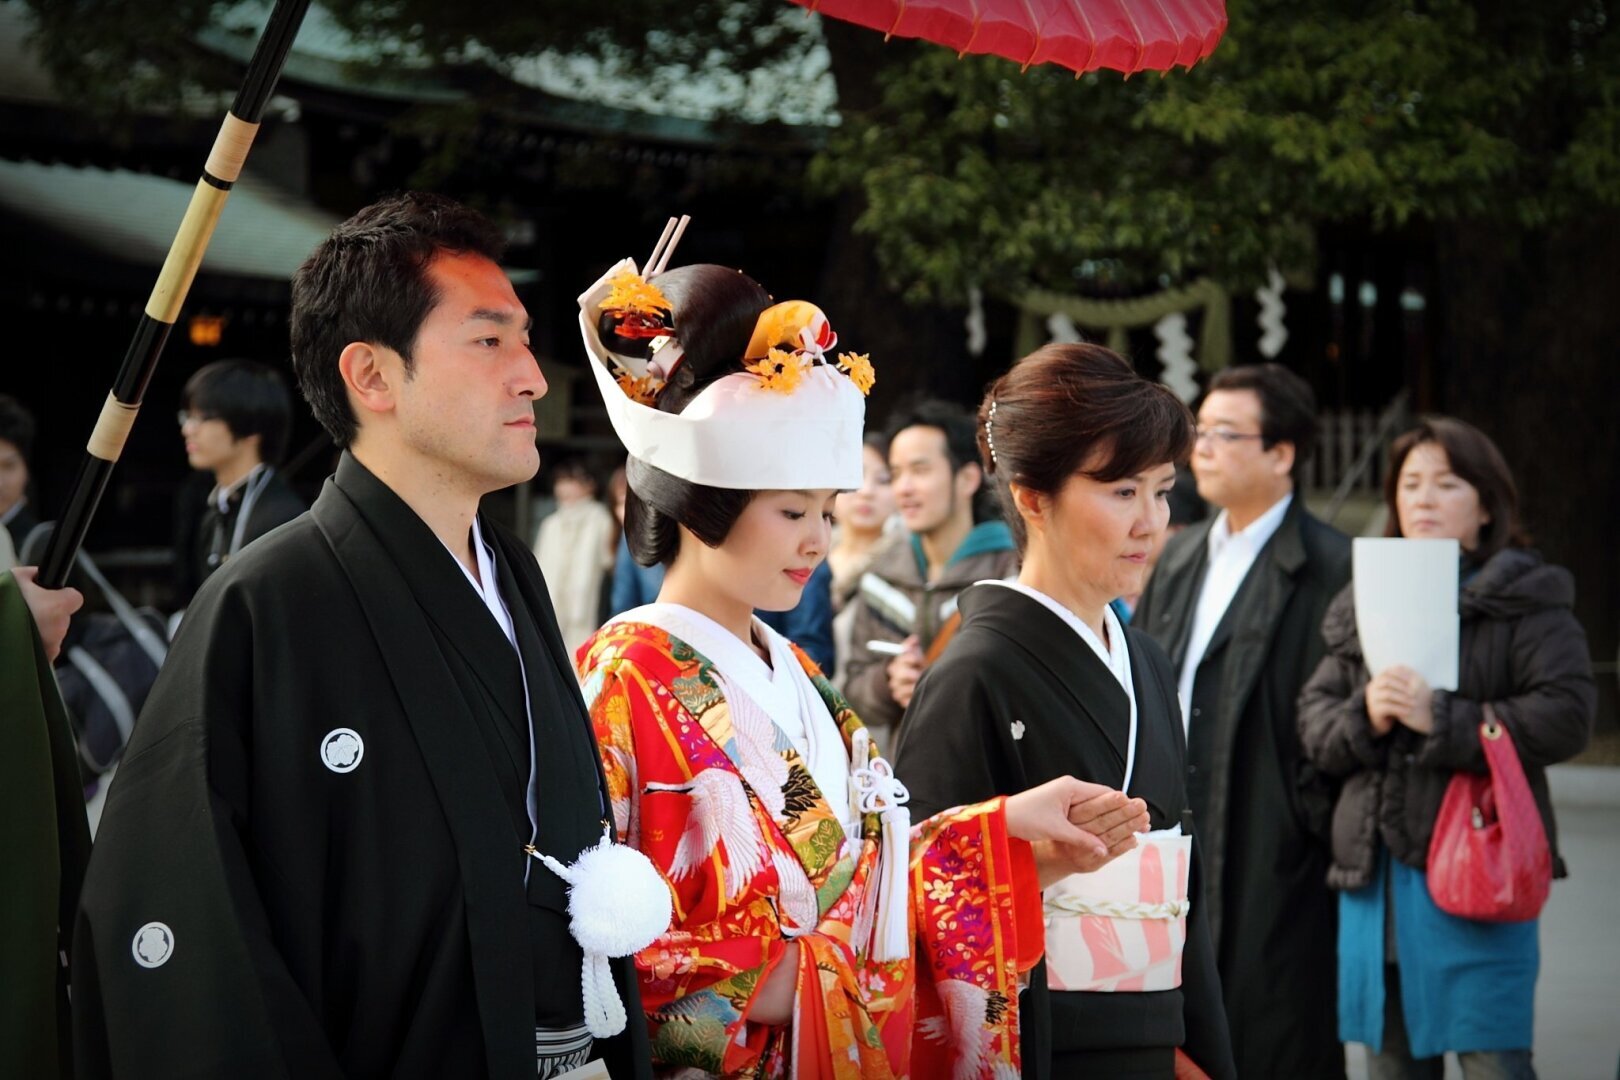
<point>1578,994</point>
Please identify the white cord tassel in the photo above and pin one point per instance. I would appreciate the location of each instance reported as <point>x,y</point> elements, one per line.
<point>880,792</point>
<point>618,904</point>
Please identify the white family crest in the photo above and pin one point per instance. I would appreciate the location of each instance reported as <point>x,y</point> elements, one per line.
<point>341,750</point>
<point>1017,730</point>
<point>152,945</point>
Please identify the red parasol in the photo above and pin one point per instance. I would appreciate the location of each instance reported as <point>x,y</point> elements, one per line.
<point>1083,35</point>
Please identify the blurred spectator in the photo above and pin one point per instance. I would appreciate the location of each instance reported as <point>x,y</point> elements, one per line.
<point>234,419</point>
<point>863,516</point>
<point>1186,508</point>
<point>575,549</point>
<point>1414,981</point>
<point>907,597</point>
<point>16,444</point>
<point>633,584</point>
<point>1237,603</point>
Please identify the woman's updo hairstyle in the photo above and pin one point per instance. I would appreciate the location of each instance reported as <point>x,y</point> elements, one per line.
<point>715,309</point>
<point>1067,409</point>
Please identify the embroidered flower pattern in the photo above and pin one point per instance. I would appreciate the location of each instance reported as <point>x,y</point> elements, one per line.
<point>659,714</point>
<point>858,366</point>
<point>780,371</point>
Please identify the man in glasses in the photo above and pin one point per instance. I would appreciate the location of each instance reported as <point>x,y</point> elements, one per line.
<point>1237,602</point>
<point>234,424</point>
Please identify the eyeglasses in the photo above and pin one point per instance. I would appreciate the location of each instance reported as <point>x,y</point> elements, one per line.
<point>183,417</point>
<point>1225,435</point>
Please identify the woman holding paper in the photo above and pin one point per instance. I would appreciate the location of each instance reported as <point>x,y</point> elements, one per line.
<point>1414,981</point>
<point>1042,679</point>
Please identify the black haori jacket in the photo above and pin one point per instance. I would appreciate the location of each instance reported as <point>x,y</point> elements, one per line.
<point>311,861</point>
<point>1521,650</point>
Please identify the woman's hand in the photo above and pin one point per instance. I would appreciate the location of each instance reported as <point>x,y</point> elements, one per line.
<point>1075,826</point>
<point>1419,713</point>
<point>773,1002</point>
<point>1400,695</point>
<point>1387,701</point>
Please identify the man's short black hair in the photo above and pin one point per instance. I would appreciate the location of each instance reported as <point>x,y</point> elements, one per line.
<point>250,397</point>
<point>1287,406</point>
<point>369,282</point>
<point>16,425</point>
<point>954,421</point>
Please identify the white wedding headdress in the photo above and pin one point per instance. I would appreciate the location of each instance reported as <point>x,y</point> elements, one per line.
<point>792,421</point>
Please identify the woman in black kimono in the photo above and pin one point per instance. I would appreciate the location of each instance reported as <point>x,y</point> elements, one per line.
<point>1042,680</point>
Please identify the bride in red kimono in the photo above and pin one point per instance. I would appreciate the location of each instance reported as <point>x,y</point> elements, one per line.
<point>817,932</point>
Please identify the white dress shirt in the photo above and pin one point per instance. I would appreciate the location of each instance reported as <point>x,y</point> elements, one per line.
<point>1231,557</point>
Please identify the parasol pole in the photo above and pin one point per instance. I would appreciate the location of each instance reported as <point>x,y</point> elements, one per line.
<point>220,172</point>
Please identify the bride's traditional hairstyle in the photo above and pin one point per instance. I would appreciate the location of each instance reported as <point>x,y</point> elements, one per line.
<point>715,309</point>
<point>1067,409</point>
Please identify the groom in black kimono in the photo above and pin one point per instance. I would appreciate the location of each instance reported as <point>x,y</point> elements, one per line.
<point>312,860</point>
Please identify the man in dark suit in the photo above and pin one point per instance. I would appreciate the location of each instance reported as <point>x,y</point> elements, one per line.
<point>1237,602</point>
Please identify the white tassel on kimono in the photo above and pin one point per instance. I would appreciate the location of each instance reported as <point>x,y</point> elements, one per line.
<point>618,904</point>
<point>883,794</point>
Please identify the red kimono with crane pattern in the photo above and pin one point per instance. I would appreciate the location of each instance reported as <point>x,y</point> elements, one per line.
<point>675,774</point>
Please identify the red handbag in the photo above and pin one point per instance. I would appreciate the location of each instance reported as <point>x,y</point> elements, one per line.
<point>1489,858</point>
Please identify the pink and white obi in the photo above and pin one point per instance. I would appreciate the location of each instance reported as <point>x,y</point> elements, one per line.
<point>1122,928</point>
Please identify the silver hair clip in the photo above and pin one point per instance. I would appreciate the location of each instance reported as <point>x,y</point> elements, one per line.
<point>989,434</point>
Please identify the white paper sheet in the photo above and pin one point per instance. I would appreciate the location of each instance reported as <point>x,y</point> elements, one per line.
<point>1406,606</point>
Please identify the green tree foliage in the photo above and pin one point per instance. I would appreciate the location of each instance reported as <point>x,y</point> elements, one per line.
<point>1309,111</point>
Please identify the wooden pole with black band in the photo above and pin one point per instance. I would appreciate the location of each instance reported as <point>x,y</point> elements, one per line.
<point>220,173</point>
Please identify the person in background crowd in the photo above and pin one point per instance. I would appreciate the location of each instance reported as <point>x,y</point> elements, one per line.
<point>1186,508</point>
<point>1043,679</point>
<point>633,584</point>
<point>234,419</point>
<point>908,595</point>
<point>863,515</point>
<point>316,857</point>
<point>16,444</point>
<point>1414,981</point>
<point>575,551</point>
<point>1237,602</point>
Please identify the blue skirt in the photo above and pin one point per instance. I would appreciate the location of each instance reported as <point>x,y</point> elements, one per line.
<point>1465,985</point>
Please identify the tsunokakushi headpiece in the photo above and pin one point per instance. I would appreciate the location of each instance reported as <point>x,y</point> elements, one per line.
<point>791,396</point>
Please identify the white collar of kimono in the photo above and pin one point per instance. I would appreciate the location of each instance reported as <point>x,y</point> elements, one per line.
<point>782,691</point>
<point>1116,657</point>
<point>485,585</point>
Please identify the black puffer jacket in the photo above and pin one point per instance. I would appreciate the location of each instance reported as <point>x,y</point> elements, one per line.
<point>1521,650</point>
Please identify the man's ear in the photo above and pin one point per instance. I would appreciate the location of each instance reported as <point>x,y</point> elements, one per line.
<point>969,478</point>
<point>1283,464</point>
<point>369,376</point>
